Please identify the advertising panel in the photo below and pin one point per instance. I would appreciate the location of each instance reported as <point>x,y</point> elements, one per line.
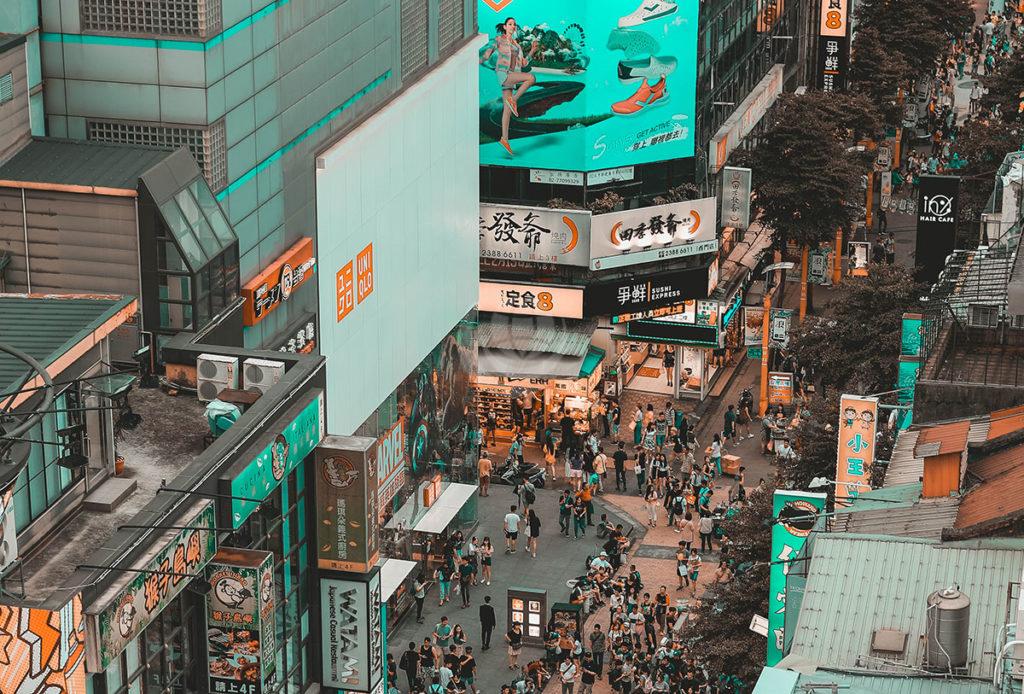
<point>819,267</point>
<point>795,514</point>
<point>240,623</point>
<point>780,388</point>
<point>937,212</point>
<point>745,118</point>
<point>778,327</point>
<point>768,13</point>
<point>351,632</point>
<point>912,335</point>
<point>586,86</point>
<point>44,650</point>
<point>833,45</point>
<point>736,182</point>
<point>346,503</point>
<point>644,293</point>
<point>858,421</point>
<point>284,451</point>
<point>391,460</point>
<point>272,287</point>
<point>131,604</point>
<point>753,326</point>
<point>531,299</point>
<point>535,234</point>
<point>649,234</point>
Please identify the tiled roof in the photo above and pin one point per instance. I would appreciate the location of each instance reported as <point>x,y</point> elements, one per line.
<point>998,497</point>
<point>47,326</point>
<point>857,584</point>
<point>943,438</point>
<point>924,518</point>
<point>997,463</point>
<point>1002,422</point>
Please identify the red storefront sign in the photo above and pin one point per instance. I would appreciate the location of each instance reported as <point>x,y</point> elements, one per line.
<point>267,290</point>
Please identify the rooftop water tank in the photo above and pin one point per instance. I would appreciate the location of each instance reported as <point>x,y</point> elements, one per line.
<point>949,614</point>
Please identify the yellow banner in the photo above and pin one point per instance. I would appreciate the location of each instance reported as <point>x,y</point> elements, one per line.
<point>858,419</point>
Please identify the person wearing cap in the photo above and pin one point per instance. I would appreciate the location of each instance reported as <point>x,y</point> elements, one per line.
<point>600,561</point>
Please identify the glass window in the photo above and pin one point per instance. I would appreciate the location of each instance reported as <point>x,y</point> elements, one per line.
<point>208,204</point>
<point>169,257</point>
<point>181,232</point>
<point>43,482</point>
<point>195,219</point>
<point>175,316</point>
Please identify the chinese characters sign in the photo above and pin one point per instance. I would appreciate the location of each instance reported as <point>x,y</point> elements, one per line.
<point>123,613</point>
<point>642,293</point>
<point>346,503</point>
<point>778,333</point>
<point>794,514</point>
<point>780,388</point>
<point>736,197</point>
<point>531,299</point>
<point>858,420</point>
<point>351,633</point>
<point>284,451</point>
<point>833,46</point>
<point>267,290</point>
<point>240,624</point>
<point>535,234</point>
<point>650,234</point>
<point>768,14</point>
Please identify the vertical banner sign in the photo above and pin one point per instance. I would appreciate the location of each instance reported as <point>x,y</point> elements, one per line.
<point>833,45</point>
<point>937,212</point>
<point>240,624</point>
<point>794,514</point>
<point>736,197</point>
<point>819,267</point>
<point>351,633</point>
<point>346,503</point>
<point>858,421</point>
<point>753,326</point>
<point>912,335</point>
<point>779,327</point>
<point>391,459</point>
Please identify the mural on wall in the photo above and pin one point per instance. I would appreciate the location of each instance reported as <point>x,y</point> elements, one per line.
<point>42,651</point>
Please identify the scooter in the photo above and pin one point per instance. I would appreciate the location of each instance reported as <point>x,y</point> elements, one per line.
<point>512,473</point>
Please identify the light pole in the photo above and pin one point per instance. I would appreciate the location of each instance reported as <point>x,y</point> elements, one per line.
<point>765,328</point>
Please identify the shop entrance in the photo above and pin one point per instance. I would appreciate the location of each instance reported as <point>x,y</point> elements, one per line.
<point>678,371</point>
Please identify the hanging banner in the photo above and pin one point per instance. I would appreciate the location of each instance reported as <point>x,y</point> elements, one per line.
<point>833,45</point>
<point>912,335</point>
<point>795,514</point>
<point>651,234</point>
<point>858,421</point>
<point>736,184</point>
<point>128,606</point>
<point>346,503</point>
<point>778,332</point>
<point>753,326</point>
<point>391,460</point>
<point>819,267</point>
<point>240,623</point>
<point>780,388</point>
<point>535,234</point>
<point>351,633</point>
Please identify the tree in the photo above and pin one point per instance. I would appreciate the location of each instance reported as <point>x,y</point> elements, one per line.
<point>816,444</point>
<point>1004,88</point>
<point>721,624</point>
<point>917,31</point>
<point>878,73</point>
<point>856,348</point>
<point>606,203</point>
<point>983,144</point>
<point>680,193</point>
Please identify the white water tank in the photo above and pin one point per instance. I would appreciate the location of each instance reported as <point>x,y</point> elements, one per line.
<point>949,615</point>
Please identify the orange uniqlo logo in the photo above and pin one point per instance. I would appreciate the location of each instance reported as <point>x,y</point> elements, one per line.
<point>344,284</point>
<point>364,273</point>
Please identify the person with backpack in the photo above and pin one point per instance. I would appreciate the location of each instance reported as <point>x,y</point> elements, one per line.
<point>410,665</point>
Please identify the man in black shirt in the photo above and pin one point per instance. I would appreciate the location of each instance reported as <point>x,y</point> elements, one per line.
<point>620,467</point>
<point>409,664</point>
<point>588,677</point>
<point>467,669</point>
<point>451,658</point>
<point>487,622</point>
<point>426,654</point>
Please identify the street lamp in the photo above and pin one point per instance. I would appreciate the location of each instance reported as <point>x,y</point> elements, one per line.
<point>765,327</point>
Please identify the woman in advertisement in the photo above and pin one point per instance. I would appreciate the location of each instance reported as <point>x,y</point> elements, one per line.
<point>510,70</point>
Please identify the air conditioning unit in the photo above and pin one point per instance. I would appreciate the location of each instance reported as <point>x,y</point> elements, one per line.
<point>214,373</point>
<point>261,374</point>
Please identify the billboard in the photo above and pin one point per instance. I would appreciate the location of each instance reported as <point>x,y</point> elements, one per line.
<point>586,86</point>
<point>794,514</point>
<point>275,284</point>
<point>240,624</point>
<point>753,326</point>
<point>346,503</point>
<point>351,632</point>
<point>630,296</point>
<point>937,213</point>
<point>535,234</point>
<point>736,182</point>
<point>745,118</point>
<point>531,299</point>
<point>780,388</point>
<point>834,45</point>
<point>858,421</point>
<point>43,650</point>
<point>651,234</point>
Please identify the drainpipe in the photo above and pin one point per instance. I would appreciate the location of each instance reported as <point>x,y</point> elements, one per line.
<point>999,657</point>
<point>24,228</point>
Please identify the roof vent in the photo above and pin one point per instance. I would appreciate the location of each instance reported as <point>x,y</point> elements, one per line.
<point>889,643</point>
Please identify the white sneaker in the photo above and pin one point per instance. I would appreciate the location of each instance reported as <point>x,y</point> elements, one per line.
<point>649,11</point>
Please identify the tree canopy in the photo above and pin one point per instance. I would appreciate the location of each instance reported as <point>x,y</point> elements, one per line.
<point>878,72</point>
<point>918,32</point>
<point>983,144</point>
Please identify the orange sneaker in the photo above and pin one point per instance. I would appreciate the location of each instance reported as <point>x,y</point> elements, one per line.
<point>644,97</point>
<point>512,105</point>
<point>508,148</point>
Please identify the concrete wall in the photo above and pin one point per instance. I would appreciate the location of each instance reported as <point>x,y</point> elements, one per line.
<point>22,17</point>
<point>15,129</point>
<point>938,400</point>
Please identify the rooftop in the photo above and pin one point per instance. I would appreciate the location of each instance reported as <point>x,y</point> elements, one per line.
<point>168,440</point>
<point>47,326</point>
<point>911,517</point>
<point>9,41</point>
<point>857,584</point>
<point>942,439</point>
<point>76,163</point>
<point>776,681</point>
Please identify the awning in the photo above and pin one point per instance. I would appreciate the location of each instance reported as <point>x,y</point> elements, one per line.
<point>392,573</point>
<point>501,362</point>
<point>528,347</point>
<point>444,510</point>
<point>591,361</point>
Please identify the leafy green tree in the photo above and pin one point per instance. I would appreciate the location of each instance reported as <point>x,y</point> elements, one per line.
<point>983,144</point>
<point>1006,88</point>
<point>816,444</point>
<point>920,31</point>
<point>878,73</point>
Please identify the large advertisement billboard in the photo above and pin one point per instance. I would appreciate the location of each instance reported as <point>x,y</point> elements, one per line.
<point>535,234</point>
<point>858,421</point>
<point>937,213</point>
<point>652,234</point>
<point>586,86</point>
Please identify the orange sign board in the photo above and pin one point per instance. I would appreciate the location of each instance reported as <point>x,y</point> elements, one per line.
<point>269,289</point>
<point>364,273</point>
<point>780,388</point>
<point>858,419</point>
<point>343,281</point>
<point>44,651</point>
<point>834,17</point>
<point>768,14</point>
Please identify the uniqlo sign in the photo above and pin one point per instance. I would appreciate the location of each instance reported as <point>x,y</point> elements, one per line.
<point>364,273</point>
<point>345,295</point>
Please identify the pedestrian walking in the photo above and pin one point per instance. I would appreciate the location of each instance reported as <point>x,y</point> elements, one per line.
<point>565,504</point>
<point>533,532</point>
<point>458,642</point>
<point>716,454</point>
<point>579,518</point>
<point>615,419</point>
<point>419,593</point>
<point>486,552</point>
<point>651,504</point>
<point>707,529</point>
<point>467,669</point>
<point>484,467</point>
<point>588,675</point>
<point>487,623</point>
<point>729,427</point>
<point>410,665</point>
<point>693,564</point>
<point>619,460</point>
<point>567,672</point>
<point>598,644</point>
<point>442,636</point>
<point>465,573</point>
<point>443,578</point>
<point>512,521</point>
<point>637,425</point>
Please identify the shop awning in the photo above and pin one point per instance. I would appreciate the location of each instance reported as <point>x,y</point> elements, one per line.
<point>591,361</point>
<point>528,347</point>
<point>493,362</point>
<point>392,573</point>
<point>444,510</point>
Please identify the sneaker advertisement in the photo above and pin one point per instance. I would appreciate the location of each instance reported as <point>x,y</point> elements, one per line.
<point>586,86</point>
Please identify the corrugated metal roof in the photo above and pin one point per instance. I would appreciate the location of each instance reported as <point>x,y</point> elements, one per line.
<point>47,326</point>
<point>523,334</point>
<point>924,519</point>
<point>72,162</point>
<point>858,584</point>
<point>904,466</point>
<point>943,438</point>
<point>997,497</point>
<point>867,684</point>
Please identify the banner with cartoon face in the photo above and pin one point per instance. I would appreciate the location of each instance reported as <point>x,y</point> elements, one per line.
<point>587,86</point>
<point>240,624</point>
<point>858,421</point>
